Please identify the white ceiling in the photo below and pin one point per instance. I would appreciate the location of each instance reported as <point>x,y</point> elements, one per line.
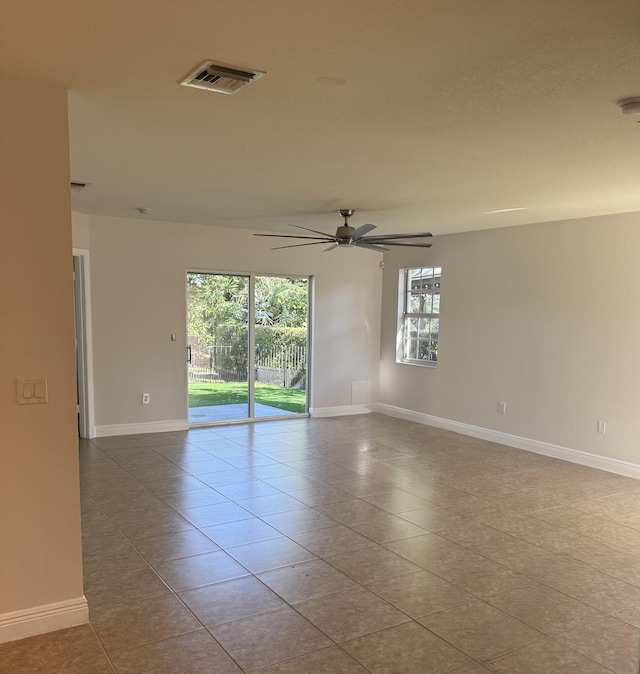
<point>419,114</point>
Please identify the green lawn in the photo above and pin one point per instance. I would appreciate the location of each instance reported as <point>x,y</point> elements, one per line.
<point>205,394</point>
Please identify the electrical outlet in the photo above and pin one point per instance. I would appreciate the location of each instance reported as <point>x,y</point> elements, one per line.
<point>502,408</point>
<point>146,398</point>
<point>602,427</point>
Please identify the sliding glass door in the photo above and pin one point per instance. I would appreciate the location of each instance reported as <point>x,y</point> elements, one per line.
<point>247,346</point>
<point>218,347</point>
<point>280,345</point>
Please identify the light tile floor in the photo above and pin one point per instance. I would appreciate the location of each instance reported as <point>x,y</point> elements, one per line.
<point>346,546</point>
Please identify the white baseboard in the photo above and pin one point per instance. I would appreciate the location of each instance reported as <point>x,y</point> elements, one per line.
<point>556,451</point>
<point>41,619</point>
<point>345,410</point>
<point>144,427</point>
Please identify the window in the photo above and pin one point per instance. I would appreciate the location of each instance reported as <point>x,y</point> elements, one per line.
<point>420,315</point>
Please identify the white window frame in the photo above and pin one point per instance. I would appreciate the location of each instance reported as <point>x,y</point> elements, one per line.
<point>406,317</point>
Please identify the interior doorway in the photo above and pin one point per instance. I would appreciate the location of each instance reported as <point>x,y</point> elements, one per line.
<point>247,353</point>
<point>82,333</point>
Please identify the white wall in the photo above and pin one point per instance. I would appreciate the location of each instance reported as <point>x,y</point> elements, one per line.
<point>40,547</point>
<point>544,317</point>
<point>80,230</point>
<point>138,272</point>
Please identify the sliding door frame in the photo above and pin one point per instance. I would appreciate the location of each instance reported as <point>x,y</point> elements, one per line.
<point>251,356</point>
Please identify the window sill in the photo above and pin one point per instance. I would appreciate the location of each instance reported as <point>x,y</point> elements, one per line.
<point>418,363</point>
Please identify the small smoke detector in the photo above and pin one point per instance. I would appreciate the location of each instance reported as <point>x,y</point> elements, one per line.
<point>221,77</point>
<point>630,106</point>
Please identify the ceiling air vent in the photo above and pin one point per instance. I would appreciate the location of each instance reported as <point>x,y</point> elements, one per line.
<point>221,77</point>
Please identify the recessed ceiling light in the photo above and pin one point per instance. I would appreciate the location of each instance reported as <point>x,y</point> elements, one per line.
<point>504,210</point>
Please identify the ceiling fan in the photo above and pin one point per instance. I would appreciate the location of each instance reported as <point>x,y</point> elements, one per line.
<point>346,235</point>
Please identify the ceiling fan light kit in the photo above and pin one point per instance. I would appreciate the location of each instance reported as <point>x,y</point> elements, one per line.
<point>347,236</point>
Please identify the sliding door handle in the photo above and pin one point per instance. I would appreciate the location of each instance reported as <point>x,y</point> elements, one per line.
<point>189,354</point>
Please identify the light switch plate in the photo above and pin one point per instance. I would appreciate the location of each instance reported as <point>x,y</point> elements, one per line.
<point>32,391</point>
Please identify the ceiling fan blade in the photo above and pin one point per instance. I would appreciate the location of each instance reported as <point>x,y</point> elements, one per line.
<point>310,230</point>
<point>384,237</point>
<point>326,250</point>
<point>297,245</point>
<point>294,236</point>
<point>408,245</point>
<point>369,246</point>
<point>361,231</point>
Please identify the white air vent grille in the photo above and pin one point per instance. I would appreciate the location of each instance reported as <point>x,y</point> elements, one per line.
<point>220,77</point>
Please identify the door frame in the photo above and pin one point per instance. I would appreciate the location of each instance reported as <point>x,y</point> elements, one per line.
<point>251,379</point>
<point>84,342</point>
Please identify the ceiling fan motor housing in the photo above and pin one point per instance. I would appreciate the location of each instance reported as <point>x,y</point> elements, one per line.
<point>344,232</point>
